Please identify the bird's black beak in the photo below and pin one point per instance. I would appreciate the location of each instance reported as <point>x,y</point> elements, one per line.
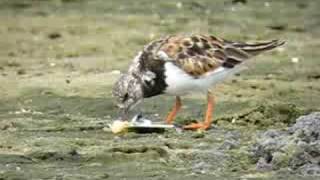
<point>123,114</point>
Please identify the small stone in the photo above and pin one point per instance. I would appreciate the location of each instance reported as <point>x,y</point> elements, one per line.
<point>295,60</point>
<point>253,86</point>
<point>179,5</point>
<point>233,120</point>
<point>54,35</point>
<point>21,72</point>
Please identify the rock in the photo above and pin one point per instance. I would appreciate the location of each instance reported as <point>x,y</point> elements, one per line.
<point>229,144</point>
<point>239,1</point>
<point>201,167</point>
<point>310,169</point>
<point>263,165</point>
<point>307,127</point>
<point>297,148</point>
<point>54,35</point>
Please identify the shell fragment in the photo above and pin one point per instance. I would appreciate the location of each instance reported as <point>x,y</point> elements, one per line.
<point>138,124</point>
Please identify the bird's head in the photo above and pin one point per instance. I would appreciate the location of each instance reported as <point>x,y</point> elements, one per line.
<point>128,93</point>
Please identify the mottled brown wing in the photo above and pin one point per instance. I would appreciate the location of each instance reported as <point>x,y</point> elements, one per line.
<point>199,54</point>
<point>255,48</point>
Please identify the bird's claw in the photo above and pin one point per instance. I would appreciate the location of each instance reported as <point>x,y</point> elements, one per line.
<point>196,126</point>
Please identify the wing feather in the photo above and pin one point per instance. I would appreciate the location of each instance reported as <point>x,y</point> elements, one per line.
<point>200,54</point>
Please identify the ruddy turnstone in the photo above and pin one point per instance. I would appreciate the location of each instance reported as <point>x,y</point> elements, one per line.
<point>179,65</point>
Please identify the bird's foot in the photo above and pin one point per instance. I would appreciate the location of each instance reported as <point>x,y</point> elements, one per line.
<point>197,126</point>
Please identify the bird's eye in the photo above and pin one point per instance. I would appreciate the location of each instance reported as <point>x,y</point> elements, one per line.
<point>125,97</point>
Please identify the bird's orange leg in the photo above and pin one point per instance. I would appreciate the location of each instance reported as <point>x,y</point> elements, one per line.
<point>172,114</point>
<point>208,117</point>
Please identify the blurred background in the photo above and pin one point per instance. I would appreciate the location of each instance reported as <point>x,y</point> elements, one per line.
<point>59,59</point>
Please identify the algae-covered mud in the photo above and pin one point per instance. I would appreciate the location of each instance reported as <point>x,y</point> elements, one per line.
<point>59,59</point>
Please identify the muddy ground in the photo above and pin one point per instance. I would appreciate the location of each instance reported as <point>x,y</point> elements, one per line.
<point>59,59</point>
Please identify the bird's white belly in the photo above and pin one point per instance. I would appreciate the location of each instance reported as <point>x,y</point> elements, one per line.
<point>181,83</point>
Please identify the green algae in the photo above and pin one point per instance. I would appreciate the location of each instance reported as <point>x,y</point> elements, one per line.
<point>266,115</point>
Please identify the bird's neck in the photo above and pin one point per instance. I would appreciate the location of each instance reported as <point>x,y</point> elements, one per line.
<point>157,85</point>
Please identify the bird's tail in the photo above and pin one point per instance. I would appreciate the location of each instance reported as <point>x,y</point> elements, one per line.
<point>256,48</point>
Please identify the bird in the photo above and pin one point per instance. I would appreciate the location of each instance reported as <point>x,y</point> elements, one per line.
<point>178,65</point>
